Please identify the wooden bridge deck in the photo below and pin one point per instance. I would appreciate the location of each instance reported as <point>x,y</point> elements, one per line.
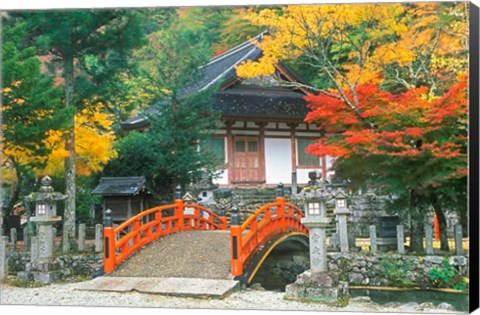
<point>189,254</point>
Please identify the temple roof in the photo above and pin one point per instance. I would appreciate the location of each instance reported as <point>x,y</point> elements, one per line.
<point>265,102</point>
<point>237,99</point>
<point>119,186</point>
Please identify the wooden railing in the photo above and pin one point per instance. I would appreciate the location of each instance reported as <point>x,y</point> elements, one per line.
<point>270,220</point>
<point>149,225</point>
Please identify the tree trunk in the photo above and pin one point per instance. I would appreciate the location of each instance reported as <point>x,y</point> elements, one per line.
<point>70,172</point>
<point>417,223</point>
<point>442,222</point>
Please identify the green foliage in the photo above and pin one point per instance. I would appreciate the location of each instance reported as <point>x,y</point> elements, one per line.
<point>395,272</point>
<point>168,153</point>
<point>446,277</point>
<point>30,108</point>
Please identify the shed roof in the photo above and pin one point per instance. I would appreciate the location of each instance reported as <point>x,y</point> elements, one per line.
<point>119,186</point>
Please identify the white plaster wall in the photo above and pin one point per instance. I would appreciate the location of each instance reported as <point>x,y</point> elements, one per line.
<point>222,179</point>
<point>278,161</point>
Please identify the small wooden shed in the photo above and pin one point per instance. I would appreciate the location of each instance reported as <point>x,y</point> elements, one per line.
<point>125,196</point>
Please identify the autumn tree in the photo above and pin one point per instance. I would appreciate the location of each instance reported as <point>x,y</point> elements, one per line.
<point>357,48</point>
<point>77,40</point>
<point>417,150</point>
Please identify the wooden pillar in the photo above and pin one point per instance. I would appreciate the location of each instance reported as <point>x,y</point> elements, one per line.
<point>261,150</point>
<point>230,156</point>
<point>293,146</point>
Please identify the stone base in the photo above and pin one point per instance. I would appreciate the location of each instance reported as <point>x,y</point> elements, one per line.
<point>317,287</point>
<point>43,272</point>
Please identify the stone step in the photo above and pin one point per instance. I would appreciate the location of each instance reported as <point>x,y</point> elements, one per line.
<point>182,287</point>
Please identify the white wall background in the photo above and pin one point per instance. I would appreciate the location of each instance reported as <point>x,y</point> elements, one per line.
<point>278,161</point>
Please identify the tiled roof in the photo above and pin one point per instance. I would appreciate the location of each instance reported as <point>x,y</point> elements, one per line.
<point>240,100</point>
<point>244,100</point>
<point>119,186</point>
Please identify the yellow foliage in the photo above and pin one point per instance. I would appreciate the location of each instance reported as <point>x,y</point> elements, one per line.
<point>298,28</point>
<point>394,34</point>
<point>93,144</point>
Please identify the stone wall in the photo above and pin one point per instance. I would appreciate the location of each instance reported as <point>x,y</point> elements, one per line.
<point>394,269</point>
<point>85,265</point>
<point>362,269</point>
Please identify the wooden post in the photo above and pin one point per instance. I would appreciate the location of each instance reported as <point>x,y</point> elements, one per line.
<point>179,208</point>
<point>236,243</point>
<point>281,207</point>
<point>136,231</point>
<point>281,213</point>
<point>109,239</point>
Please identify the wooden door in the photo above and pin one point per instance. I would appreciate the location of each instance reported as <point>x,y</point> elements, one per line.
<point>247,159</point>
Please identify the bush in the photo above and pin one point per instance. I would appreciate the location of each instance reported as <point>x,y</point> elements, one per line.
<point>446,277</point>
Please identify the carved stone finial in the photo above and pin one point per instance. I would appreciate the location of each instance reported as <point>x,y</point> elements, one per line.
<point>46,182</point>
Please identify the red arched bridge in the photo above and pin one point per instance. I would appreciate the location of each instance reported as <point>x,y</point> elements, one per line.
<point>250,243</point>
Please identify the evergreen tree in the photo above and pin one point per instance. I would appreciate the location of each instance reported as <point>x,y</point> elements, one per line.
<point>89,46</point>
<point>31,109</point>
<point>168,154</point>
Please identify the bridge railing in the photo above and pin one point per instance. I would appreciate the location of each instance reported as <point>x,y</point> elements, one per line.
<point>270,220</point>
<point>149,225</point>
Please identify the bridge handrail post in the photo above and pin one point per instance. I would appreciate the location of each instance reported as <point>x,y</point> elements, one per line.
<point>136,228</point>
<point>109,240</point>
<point>281,207</point>
<point>236,243</point>
<point>281,213</point>
<point>179,213</point>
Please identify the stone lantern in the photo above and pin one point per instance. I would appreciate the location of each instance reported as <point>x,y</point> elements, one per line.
<point>46,216</point>
<point>42,267</point>
<point>317,283</point>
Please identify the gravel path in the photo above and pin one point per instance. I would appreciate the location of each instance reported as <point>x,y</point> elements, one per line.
<point>66,295</point>
<point>192,254</point>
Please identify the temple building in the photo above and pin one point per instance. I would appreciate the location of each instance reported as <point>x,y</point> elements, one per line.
<point>263,135</point>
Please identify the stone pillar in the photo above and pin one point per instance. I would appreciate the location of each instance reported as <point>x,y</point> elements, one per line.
<point>458,240</point>
<point>26,238</point>
<point>65,240</point>
<point>373,239</point>
<point>45,241</point>
<point>13,238</point>
<point>81,237</point>
<point>318,250</point>
<point>342,218</point>
<point>3,259</point>
<point>400,239</point>
<point>98,238</point>
<point>34,249</point>
<point>428,239</point>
